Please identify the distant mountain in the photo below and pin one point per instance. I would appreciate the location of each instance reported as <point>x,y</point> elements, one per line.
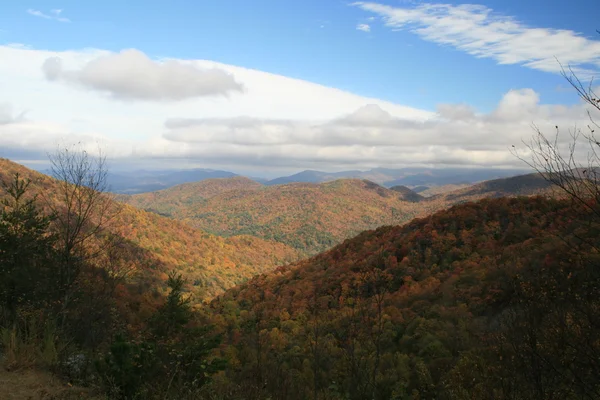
<point>147,181</point>
<point>143,181</point>
<point>523,185</point>
<point>442,176</point>
<point>404,176</point>
<point>310,176</point>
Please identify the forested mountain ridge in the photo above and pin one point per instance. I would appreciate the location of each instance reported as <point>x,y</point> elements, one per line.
<point>442,307</point>
<point>307,216</point>
<point>454,305</point>
<point>210,263</point>
<point>522,185</point>
<point>187,194</point>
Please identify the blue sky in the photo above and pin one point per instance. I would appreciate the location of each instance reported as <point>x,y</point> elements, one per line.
<point>314,40</point>
<point>318,42</point>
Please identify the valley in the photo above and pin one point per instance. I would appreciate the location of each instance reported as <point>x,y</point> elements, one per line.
<point>299,200</point>
<point>400,291</point>
<point>311,217</point>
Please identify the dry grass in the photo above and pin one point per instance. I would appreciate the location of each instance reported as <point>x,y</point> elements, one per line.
<point>31,384</point>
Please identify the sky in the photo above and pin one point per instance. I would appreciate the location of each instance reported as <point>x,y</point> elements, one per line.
<point>268,87</point>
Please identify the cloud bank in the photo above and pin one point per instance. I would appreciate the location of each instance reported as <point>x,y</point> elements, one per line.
<point>276,123</point>
<point>456,136</point>
<point>131,75</point>
<point>479,31</point>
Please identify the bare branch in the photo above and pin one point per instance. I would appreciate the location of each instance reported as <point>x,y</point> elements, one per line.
<point>82,208</point>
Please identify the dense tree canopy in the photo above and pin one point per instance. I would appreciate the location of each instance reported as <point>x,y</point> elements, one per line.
<point>475,302</point>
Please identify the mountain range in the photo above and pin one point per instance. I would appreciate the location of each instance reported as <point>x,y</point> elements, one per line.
<point>220,232</point>
<point>142,181</point>
<point>404,296</point>
<point>412,176</point>
<point>311,217</point>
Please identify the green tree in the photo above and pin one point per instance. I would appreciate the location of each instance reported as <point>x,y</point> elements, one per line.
<point>27,253</point>
<point>173,358</point>
<point>176,312</point>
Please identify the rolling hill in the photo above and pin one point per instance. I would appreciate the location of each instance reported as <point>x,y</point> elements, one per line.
<point>311,217</point>
<point>308,217</point>
<point>190,194</point>
<point>210,263</point>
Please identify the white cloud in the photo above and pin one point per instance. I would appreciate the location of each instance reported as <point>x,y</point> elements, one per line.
<point>7,115</point>
<point>481,32</point>
<point>278,122</point>
<point>54,15</point>
<point>131,75</point>
<point>457,129</point>
<point>364,27</point>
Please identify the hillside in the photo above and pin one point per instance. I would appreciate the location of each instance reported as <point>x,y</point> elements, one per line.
<point>307,217</point>
<point>189,194</point>
<point>424,311</point>
<point>407,194</point>
<point>210,263</point>
<point>435,190</point>
<point>522,185</point>
<point>311,217</point>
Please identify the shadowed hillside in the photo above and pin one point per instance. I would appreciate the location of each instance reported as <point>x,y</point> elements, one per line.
<point>407,194</point>
<point>522,185</point>
<point>438,307</point>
